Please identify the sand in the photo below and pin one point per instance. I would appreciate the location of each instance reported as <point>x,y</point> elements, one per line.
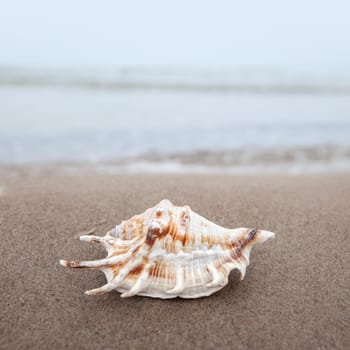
<point>295,294</point>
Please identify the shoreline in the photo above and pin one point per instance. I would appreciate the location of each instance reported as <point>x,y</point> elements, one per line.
<point>172,167</point>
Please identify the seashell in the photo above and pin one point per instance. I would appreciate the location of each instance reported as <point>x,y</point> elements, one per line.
<point>169,252</point>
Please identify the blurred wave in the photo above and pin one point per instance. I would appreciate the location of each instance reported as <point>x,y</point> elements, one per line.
<point>326,154</point>
<point>297,160</point>
<point>177,80</point>
<point>290,161</point>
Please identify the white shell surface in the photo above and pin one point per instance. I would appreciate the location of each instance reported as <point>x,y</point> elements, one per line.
<point>170,251</point>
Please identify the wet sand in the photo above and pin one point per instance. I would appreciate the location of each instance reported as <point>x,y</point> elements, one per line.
<point>295,294</point>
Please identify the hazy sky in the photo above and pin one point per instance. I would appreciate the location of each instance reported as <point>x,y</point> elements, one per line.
<point>261,34</point>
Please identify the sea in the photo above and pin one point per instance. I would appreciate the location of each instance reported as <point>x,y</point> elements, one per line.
<point>161,121</point>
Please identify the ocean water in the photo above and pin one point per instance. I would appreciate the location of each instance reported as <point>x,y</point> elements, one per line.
<point>190,123</point>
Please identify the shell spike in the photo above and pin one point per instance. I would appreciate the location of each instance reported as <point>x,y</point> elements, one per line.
<point>140,284</point>
<point>101,263</point>
<point>102,290</point>
<point>123,273</point>
<point>80,264</point>
<point>242,269</point>
<point>179,284</point>
<point>106,242</point>
<point>92,239</point>
<point>216,276</point>
<point>264,235</point>
<point>69,263</point>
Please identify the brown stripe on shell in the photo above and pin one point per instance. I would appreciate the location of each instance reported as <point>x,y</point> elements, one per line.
<point>118,266</point>
<point>157,271</point>
<point>169,275</point>
<point>237,249</point>
<point>154,233</point>
<point>151,235</point>
<point>137,227</point>
<point>118,250</point>
<point>135,272</point>
<point>174,236</point>
<point>209,240</point>
<point>219,266</point>
<point>133,225</point>
<point>153,272</point>
<point>251,234</point>
<point>161,270</point>
<point>184,218</point>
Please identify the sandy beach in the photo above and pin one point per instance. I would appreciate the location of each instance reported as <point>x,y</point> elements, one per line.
<point>295,294</point>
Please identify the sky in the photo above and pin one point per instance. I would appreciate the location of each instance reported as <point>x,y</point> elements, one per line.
<point>295,35</point>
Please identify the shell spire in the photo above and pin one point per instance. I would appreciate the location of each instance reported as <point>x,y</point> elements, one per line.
<point>169,252</point>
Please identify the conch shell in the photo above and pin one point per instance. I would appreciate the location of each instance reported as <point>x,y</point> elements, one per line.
<point>169,252</point>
